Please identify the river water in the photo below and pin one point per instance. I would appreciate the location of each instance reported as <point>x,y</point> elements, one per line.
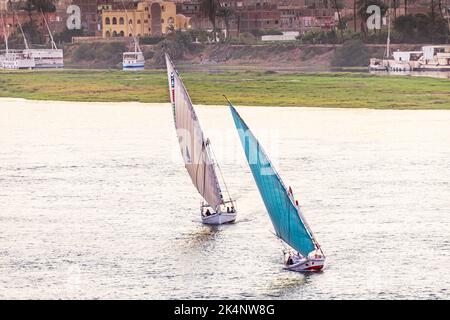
<point>95,203</point>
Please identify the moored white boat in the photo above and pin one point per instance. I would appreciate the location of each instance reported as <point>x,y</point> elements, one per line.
<point>47,58</point>
<point>15,59</point>
<point>133,60</point>
<point>377,65</point>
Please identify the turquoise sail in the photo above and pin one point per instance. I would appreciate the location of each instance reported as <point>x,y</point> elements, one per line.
<point>285,217</point>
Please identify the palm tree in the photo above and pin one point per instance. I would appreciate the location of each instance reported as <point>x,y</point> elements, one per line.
<point>337,6</point>
<point>209,9</point>
<point>226,14</point>
<point>394,6</point>
<point>39,5</point>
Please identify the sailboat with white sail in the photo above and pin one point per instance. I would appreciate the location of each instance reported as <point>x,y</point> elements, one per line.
<point>305,253</point>
<point>197,154</point>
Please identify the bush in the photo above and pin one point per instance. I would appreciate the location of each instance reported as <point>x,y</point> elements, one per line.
<point>84,52</point>
<point>176,46</point>
<point>66,35</point>
<point>421,28</point>
<point>150,40</point>
<point>271,32</point>
<point>319,37</point>
<point>105,53</point>
<point>244,38</point>
<point>199,35</point>
<point>353,53</point>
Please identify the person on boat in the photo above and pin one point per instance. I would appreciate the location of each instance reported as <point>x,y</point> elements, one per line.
<point>208,213</point>
<point>228,209</point>
<point>289,260</point>
<point>232,209</point>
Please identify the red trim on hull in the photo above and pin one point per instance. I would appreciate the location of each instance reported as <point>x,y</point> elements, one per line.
<point>319,267</point>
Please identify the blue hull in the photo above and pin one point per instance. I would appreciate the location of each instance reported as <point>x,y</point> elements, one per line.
<point>133,66</point>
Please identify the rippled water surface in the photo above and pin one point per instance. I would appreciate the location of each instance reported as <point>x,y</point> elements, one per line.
<point>95,203</point>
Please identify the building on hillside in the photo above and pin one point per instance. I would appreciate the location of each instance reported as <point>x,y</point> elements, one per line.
<point>147,19</point>
<point>189,8</point>
<point>288,15</point>
<point>182,22</point>
<point>3,5</point>
<point>12,21</point>
<point>255,18</point>
<point>168,16</point>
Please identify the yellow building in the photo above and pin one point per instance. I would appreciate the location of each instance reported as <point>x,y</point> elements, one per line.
<point>168,16</point>
<point>183,22</point>
<point>150,18</point>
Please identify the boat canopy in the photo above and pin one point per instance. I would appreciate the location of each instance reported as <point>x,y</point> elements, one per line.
<point>286,218</point>
<point>194,147</point>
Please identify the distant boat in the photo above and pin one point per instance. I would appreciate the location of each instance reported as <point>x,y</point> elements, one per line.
<point>132,60</point>
<point>47,58</point>
<point>289,223</point>
<point>15,59</point>
<point>31,58</point>
<point>197,154</point>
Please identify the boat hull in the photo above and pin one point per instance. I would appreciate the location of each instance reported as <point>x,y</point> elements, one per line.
<point>50,66</point>
<point>219,218</point>
<point>306,265</point>
<point>136,66</point>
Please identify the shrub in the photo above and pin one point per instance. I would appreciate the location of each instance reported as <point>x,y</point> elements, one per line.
<point>353,53</point>
<point>199,35</point>
<point>104,53</point>
<point>150,40</point>
<point>271,32</point>
<point>176,46</point>
<point>66,35</point>
<point>421,28</point>
<point>244,38</point>
<point>319,37</point>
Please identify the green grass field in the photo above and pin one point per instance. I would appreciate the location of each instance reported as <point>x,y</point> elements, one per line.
<point>344,90</point>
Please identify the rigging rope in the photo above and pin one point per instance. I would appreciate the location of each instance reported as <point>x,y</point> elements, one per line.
<point>221,174</point>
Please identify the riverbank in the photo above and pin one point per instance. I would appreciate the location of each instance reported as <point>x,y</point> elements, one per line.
<point>344,90</point>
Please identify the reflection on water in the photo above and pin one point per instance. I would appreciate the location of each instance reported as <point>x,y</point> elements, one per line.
<point>432,74</point>
<point>203,237</point>
<point>95,203</point>
<point>283,285</point>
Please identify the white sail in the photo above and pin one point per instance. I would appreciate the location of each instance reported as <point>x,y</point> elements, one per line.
<point>194,147</point>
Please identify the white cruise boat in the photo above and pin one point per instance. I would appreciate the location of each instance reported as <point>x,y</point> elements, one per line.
<point>15,59</point>
<point>47,58</point>
<point>133,60</point>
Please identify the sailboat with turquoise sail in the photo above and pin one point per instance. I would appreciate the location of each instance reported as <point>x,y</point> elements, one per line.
<point>284,211</point>
<point>197,154</point>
